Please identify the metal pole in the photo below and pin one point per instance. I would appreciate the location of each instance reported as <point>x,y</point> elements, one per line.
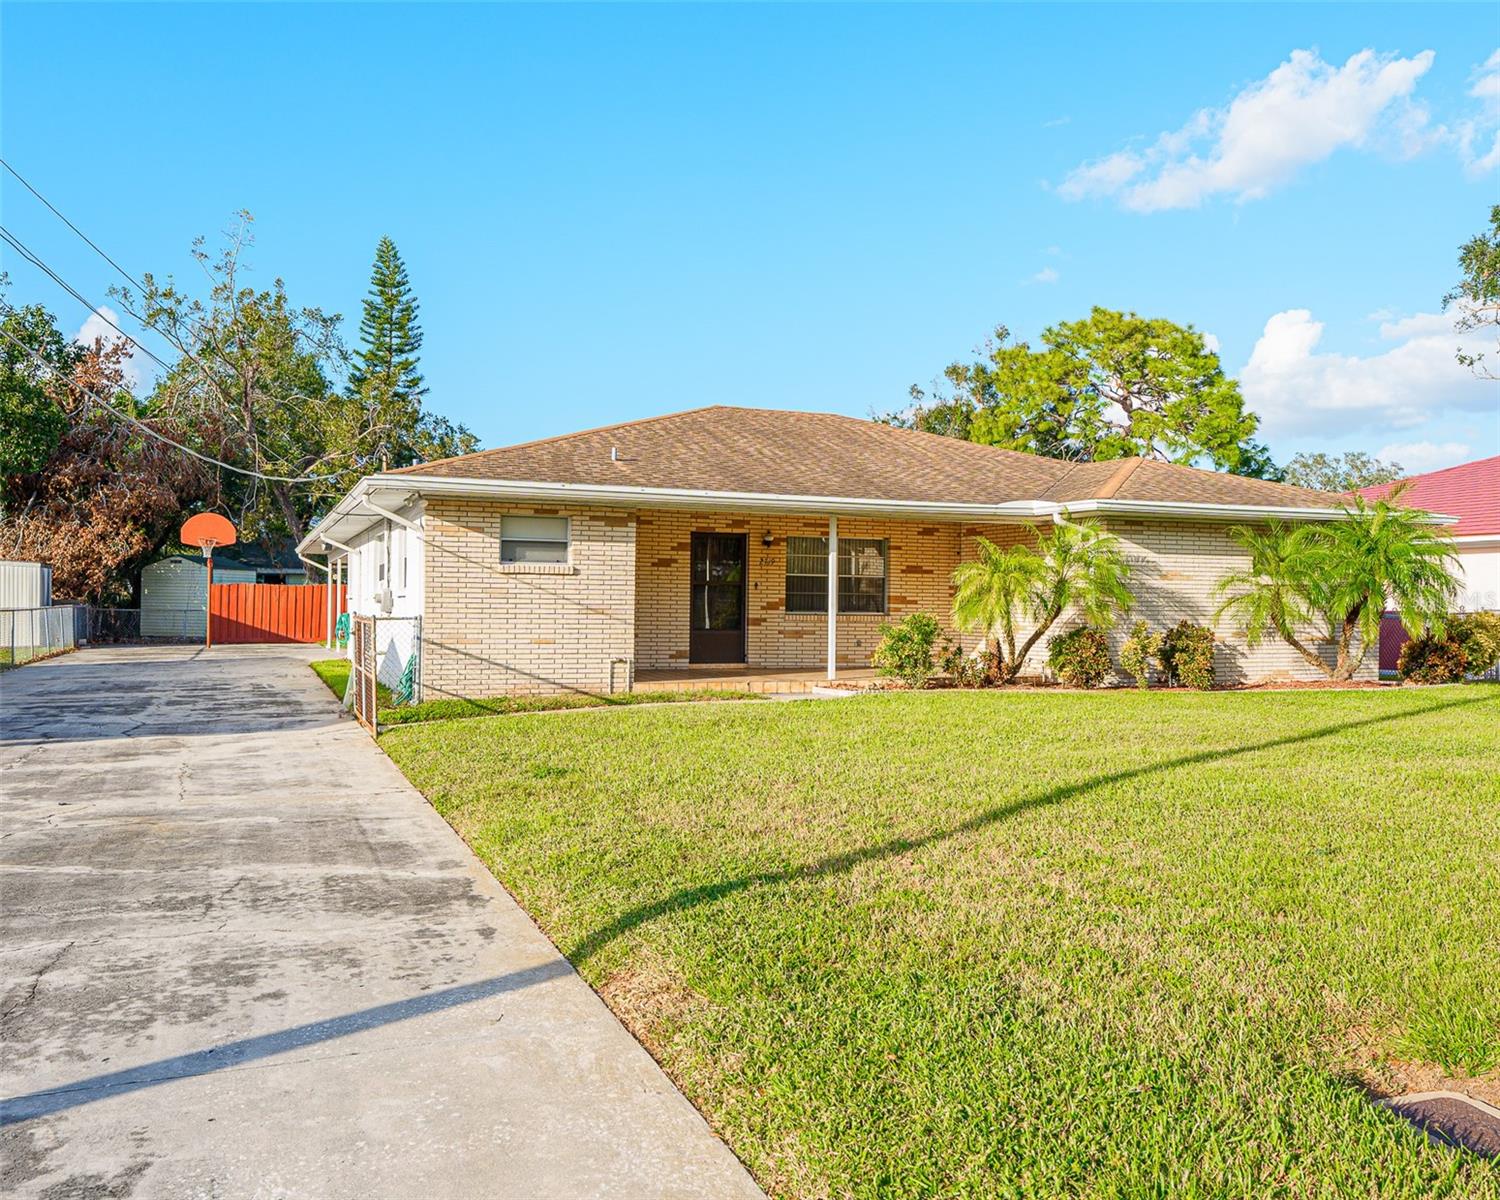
<point>208,600</point>
<point>833,597</point>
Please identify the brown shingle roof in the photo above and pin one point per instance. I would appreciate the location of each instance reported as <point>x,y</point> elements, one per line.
<point>771,452</point>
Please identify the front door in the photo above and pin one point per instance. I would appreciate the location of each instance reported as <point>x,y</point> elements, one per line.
<point>717,629</point>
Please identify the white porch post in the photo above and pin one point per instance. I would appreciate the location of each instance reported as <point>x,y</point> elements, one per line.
<point>833,597</point>
<point>328,603</point>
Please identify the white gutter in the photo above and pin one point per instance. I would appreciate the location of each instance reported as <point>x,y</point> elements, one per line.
<point>1192,510</point>
<point>655,497</point>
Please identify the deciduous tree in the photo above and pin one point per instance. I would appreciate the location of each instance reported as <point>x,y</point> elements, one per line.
<point>1109,386</point>
<point>1476,299</point>
<point>1347,472</point>
<point>109,496</point>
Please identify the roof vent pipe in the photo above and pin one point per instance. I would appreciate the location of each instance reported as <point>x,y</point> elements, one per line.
<point>614,454</point>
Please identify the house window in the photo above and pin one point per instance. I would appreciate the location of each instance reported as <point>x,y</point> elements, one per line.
<point>861,575</point>
<point>533,539</point>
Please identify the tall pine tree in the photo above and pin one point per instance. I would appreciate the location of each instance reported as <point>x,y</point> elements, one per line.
<point>389,334</point>
<point>385,378</point>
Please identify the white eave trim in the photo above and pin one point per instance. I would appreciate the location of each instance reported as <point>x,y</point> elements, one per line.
<point>1192,510</point>
<point>410,486</point>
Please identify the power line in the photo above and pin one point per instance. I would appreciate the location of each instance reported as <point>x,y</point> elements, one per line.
<point>146,429</point>
<point>70,224</point>
<point>94,309</point>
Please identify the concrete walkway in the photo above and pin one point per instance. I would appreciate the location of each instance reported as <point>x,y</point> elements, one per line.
<point>241,957</point>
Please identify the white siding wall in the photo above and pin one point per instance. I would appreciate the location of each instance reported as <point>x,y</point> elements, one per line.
<point>385,556</point>
<point>1479,583</point>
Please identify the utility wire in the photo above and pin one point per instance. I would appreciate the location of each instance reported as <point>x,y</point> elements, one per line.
<point>146,429</point>
<point>31,257</point>
<point>70,224</point>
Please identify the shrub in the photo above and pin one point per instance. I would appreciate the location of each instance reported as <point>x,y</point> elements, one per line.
<point>905,650</point>
<point>1479,636</point>
<point>964,669</point>
<point>1080,657</point>
<point>1429,659</point>
<point>1187,655</point>
<point>1138,651</point>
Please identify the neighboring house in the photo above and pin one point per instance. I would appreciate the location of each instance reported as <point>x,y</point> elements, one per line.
<point>174,590</point>
<point>704,539</point>
<point>1470,492</point>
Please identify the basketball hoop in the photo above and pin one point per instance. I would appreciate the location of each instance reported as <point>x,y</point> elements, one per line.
<point>207,530</point>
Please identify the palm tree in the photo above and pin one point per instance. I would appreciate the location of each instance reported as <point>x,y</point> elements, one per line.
<point>1381,556</point>
<point>1345,573</point>
<point>1272,592</point>
<point>989,593</point>
<point>1074,566</point>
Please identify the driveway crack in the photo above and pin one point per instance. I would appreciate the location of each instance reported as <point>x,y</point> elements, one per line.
<point>36,982</point>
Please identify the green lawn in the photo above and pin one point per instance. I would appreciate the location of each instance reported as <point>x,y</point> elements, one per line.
<point>335,673</point>
<point>994,945</point>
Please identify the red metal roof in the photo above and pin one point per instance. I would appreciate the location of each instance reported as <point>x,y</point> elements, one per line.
<point>1470,492</point>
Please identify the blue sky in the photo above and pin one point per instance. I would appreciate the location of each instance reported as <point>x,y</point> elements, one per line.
<point>612,212</point>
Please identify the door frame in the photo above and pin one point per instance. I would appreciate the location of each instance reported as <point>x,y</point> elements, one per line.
<point>744,631</point>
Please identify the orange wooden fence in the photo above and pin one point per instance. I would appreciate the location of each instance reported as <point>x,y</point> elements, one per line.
<point>270,612</point>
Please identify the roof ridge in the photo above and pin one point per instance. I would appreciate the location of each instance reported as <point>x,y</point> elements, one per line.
<point>1003,451</point>
<point>562,437</point>
<point>1117,479</point>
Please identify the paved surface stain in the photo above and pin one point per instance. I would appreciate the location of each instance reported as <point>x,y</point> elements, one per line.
<point>241,956</point>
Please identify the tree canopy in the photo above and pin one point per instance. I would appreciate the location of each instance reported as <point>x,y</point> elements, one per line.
<point>1477,296</point>
<point>1347,472</point>
<point>1109,386</point>
<point>103,496</point>
<point>267,386</point>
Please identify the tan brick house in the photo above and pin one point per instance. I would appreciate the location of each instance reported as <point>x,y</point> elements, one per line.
<point>725,540</point>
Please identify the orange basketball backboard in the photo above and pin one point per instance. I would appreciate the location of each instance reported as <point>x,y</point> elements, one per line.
<point>207,530</point>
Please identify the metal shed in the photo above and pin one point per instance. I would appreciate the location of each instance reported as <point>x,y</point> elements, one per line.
<point>25,585</point>
<point>174,595</point>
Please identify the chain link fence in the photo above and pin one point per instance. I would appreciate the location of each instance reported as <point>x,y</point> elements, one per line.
<point>27,634</point>
<point>385,666</point>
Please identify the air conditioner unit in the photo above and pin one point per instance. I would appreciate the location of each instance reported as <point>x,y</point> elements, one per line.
<point>385,601</point>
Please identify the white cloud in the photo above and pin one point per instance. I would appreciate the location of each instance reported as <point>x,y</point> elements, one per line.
<point>1055,122</point>
<point>1417,458</point>
<point>100,325</point>
<point>1301,113</point>
<point>1046,275</point>
<point>1298,390</point>
<point>1478,137</point>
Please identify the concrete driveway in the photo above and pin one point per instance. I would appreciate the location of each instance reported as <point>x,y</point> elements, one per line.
<point>241,957</point>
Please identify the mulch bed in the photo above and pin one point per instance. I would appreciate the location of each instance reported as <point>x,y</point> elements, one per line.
<point>1041,685</point>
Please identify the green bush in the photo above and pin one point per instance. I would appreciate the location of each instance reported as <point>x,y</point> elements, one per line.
<point>1138,651</point>
<point>1479,636</point>
<point>905,650</point>
<point>1187,655</point>
<point>1429,659</point>
<point>964,669</point>
<point>1080,657</point>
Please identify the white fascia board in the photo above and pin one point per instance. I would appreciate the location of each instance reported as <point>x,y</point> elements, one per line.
<point>402,489</point>
<point>1193,511</point>
<point>1477,541</point>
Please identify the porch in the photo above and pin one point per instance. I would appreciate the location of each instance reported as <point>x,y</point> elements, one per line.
<point>748,679</point>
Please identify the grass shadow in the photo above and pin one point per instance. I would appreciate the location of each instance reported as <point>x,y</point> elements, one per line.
<point>693,897</point>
